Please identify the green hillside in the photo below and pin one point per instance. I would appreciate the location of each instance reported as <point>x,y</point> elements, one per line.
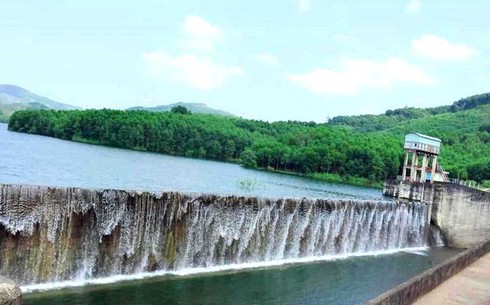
<point>465,139</point>
<point>13,98</point>
<point>192,107</point>
<point>392,118</point>
<point>463,128</point>
<point>325,151</point>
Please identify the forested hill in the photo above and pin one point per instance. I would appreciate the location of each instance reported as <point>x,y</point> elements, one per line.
<point>325,151</point>
<point>192,107</point>
<point>392,118</point>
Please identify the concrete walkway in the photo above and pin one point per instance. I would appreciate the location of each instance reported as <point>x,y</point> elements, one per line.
<point>470,286</point>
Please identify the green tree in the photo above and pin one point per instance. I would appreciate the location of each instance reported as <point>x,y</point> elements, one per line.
<point>248,158</point>
<point>180,109</point>
<point>365,147</point>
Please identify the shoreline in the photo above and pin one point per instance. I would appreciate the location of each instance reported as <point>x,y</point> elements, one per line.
<point>323,177</point>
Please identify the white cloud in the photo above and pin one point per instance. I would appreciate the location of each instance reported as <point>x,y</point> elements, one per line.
<point>198,72</point>
<point>304,5</point>
<point>344,38</point>
<point>354,75</point>
<point>193,68</point>
<point>434,47</point>
<point>413,6</point>
<point>202,35</point>
<point>267,58</point>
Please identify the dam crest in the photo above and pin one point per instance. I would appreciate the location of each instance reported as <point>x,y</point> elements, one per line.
<point>62,234</point>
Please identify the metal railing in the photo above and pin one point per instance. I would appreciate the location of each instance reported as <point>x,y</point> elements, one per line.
<point>467,183</point>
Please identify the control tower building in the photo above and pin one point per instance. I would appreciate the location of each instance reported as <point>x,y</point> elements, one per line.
<point>421,156</point>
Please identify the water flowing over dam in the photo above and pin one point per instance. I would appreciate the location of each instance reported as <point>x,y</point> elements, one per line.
<point>58,234</point>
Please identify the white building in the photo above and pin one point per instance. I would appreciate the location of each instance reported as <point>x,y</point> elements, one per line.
<point>421,156</point>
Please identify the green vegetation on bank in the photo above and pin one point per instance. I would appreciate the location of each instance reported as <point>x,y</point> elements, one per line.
<point>6,110</point>
<point>463,127</point>
<point>323,151</point>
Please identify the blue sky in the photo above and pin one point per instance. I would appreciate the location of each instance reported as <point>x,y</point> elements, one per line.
<point>270,60</point>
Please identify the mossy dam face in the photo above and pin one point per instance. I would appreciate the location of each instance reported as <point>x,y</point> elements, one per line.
<point>61,234</point>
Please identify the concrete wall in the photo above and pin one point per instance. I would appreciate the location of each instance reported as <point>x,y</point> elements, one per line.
<point>408,292</point>
<point>462,213</point>
<point>410,191</point>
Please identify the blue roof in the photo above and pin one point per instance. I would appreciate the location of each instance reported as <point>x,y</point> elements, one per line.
<point>427,137</point>
<point>426,143</point>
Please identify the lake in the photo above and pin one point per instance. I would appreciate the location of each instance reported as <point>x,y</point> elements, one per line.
<point>33,159</point>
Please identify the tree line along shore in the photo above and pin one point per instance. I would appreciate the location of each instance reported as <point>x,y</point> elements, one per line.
<point>358,149</point>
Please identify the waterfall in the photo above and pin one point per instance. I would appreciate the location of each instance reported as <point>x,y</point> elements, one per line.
<point>435,237</point>
<point>58,234</point>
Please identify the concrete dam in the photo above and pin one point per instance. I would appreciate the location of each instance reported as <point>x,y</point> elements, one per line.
<point>462,213</point>
<point>60,234</point>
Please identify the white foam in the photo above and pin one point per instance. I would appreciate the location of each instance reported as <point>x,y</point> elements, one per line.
<point>417,252</point>
<point>204,270</point>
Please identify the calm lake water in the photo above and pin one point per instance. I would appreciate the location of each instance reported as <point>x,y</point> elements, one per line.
<point>32,159</point>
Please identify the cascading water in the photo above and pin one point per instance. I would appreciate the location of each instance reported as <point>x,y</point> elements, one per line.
<point>435,237</point>
<point>58,234</point>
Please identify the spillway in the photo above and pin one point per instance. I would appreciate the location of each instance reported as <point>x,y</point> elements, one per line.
<point>50,234</point>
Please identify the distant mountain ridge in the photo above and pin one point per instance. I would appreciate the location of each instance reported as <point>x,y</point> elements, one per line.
<point>193,107</point>
<point>11,94</point>
<point>13,98</point>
